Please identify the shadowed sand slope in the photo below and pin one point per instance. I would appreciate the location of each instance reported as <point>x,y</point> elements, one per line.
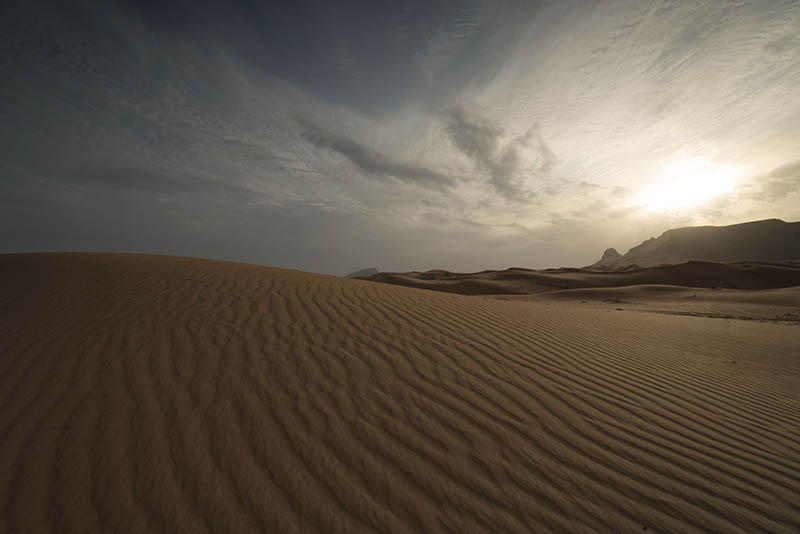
<point>157,394</point>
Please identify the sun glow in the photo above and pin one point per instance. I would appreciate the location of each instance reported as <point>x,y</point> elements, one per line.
<point>687,183</point>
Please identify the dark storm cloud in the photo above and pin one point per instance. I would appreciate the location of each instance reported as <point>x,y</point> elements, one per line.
<point>509,165</point>
<point>374,163</point>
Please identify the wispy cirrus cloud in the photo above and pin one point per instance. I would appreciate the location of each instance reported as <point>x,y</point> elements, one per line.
<point>451,37</point>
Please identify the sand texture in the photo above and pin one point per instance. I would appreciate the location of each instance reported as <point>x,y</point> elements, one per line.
<point>157,394</point>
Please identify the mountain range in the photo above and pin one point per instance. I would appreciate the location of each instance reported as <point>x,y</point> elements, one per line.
<point>763,241</point>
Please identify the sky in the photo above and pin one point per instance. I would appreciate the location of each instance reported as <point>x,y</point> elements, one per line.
<point>334,136</point>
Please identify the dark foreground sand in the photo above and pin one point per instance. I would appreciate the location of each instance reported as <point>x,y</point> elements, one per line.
<point>157,394</point>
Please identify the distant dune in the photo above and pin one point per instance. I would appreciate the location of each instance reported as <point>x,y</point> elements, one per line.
<point>363,273</point>
<point>771,240</point>
<point>517,281</point>
<point>158,394</point>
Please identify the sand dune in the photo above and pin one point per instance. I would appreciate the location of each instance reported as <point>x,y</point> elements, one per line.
<point>158,394</point>
<point>517,281</point>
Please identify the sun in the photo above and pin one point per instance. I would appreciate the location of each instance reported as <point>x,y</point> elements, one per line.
<point>687,183</point>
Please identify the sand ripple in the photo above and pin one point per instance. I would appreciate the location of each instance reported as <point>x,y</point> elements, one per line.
<point>157,394</point>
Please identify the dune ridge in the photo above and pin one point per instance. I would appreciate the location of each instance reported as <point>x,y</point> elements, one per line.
<point>519,281</point>
<point>158,394</point>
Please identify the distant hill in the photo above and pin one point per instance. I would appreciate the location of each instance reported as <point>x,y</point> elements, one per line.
<point>364,273</point>
<point>760,255</point>
<point>518,281</point>
<point>610,257</point>
<point>771,240</point>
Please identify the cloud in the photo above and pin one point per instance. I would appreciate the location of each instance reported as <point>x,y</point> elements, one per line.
<point>509,164</point>
<point>780,182</point>
<point>450,39</point>
<point>191,145</point>
<point>783,44</point>
<point>155,183</point>
<point>375,163</point>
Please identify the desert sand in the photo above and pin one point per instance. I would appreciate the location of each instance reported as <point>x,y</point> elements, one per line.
<point>159,394</point>
<point>518,281</point>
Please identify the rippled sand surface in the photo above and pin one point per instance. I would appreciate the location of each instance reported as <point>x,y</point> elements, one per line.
<point>159,394</point>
